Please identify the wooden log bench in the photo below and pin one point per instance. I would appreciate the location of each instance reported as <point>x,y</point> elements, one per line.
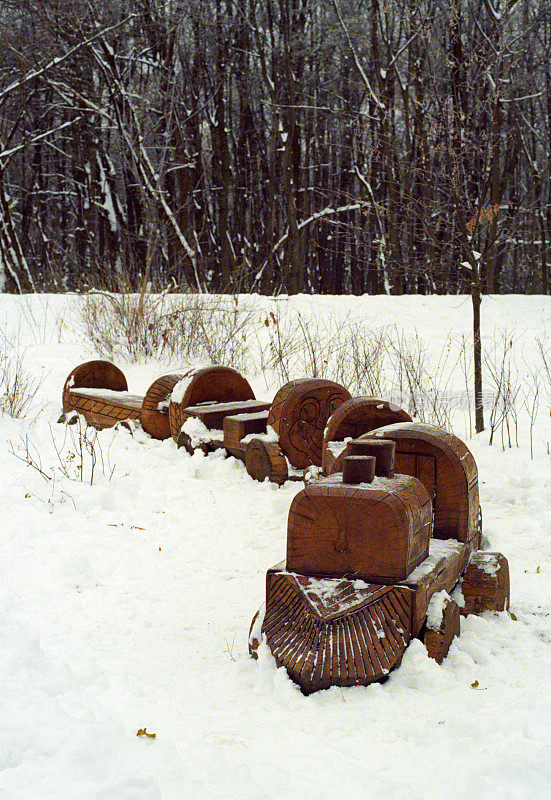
<point>214,417</point>
<point>99,391</point>
<point>352,419</point>
<point>214,407</point>
<point>275,440</point>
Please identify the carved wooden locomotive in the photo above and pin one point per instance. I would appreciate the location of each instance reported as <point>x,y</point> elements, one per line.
<point>363,565</point>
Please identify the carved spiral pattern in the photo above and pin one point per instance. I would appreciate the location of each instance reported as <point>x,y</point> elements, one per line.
<point>299,414</point>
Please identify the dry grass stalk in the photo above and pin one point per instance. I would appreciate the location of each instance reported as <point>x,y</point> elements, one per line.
<point>17,387</point>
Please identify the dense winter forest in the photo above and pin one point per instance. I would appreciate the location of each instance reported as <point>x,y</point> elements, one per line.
<point>328,146</point>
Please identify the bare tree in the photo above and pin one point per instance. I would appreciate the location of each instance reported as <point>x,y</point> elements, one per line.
<point>275,145</point>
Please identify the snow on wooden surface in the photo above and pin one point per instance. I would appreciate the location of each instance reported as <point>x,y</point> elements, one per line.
<point>122,398</point>
<point>435,611</point>
<point>438,549</point>
<point>179,390</point>
<point>199,433</point>
<point>336,448</point>
<point>487,562</point>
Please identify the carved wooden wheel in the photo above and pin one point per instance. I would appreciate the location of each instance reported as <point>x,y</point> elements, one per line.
<point>155,420</point>
<point>299,414</point>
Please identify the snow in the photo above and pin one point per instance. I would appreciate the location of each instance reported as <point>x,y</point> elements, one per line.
<point>181,387</point>
<point>336,593</point>
<point>126,604</point>
<point>269,436</point>
<point>487,562</point>
<point>438,548</point>
<point>250,436</point>
<point>312,473</point>
<point>110,394</point>
<point>199,433</point>
<point>336,448</point>
<point>435,611</point>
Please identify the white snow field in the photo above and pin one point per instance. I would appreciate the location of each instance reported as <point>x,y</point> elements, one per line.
<point>126,604</point>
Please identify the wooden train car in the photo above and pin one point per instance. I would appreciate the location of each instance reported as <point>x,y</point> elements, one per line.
<point>99,391</point>
<point>216,407</point>
<point>306,418</point>
<point>357,416</point>
<point>365,573</point>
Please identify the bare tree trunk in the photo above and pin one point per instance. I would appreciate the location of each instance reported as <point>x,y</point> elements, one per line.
<point>476,297</point>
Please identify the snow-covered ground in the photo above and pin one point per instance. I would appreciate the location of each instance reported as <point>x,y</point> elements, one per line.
<point>126,604</point>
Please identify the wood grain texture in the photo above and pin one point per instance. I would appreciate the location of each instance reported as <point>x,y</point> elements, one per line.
<point>214,384</point>
<point>447,469</point>
<point>357,469</point>
<point>441,570</point>
<point>485,584</point>
<point>237,426</point>
<point>379,532</point>
<point>334,632</point>
<point>382,450</point>
<point>265,460</point>
<point>299,414</point>
<point>438,640</point>
<point>100,411</point>
<point>357,416</point>
<point>155,419</point>
<point>104,413</point>
<point>93,375</point>
<point>213,414</point>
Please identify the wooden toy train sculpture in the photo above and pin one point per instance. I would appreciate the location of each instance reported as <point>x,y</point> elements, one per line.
<point>394,524</point>
<point>373,548</point>
<point>215,407</point>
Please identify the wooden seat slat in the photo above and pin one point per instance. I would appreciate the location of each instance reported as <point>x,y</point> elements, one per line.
<point>237,426</point>
<point>123,399</point>
<point>214,414</point>
<point>236,407</point>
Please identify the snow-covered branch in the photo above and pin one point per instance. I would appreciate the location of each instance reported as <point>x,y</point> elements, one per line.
<point>5,154</point>
<point>40,72</point>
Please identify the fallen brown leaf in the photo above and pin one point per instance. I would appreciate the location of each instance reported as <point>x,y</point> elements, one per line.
<point>143,732</point>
